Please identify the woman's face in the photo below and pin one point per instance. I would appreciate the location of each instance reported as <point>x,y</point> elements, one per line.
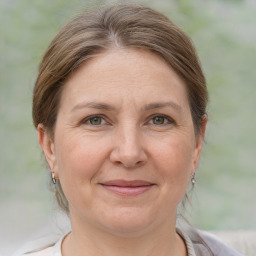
<point>124,144</point>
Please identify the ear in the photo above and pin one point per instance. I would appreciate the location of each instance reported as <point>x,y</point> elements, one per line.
<point>199,143</point>
<point>47,145</point>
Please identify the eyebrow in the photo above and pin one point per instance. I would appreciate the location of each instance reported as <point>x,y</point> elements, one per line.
<point>96,105</point>
<point>147,107</point>
<point>157,105</point>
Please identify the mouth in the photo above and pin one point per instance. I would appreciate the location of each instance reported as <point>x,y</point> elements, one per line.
<point>127,188</point>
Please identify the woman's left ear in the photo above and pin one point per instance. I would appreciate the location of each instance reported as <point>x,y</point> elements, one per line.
<point>48,148</point>
<point>199,142</point>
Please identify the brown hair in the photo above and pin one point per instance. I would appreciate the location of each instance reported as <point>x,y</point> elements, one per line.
<point>122,25</point>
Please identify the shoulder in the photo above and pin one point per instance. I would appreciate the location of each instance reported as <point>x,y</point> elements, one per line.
<point>46,246</point>
<point>205,242</point>
<point>44,252</point>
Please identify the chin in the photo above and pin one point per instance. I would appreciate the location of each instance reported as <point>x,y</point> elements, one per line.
<point>128,222</point>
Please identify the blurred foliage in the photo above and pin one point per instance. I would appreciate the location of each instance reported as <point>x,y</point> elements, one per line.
<point>224,34</point>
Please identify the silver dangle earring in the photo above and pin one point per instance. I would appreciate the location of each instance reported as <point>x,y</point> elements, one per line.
<point>193,178</point>
<point>53,178</point>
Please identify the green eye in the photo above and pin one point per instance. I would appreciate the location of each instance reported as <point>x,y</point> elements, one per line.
<point>96,120</point>
<point>159,120</point>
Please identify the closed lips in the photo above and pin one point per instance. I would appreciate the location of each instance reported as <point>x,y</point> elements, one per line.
<point>127,188</point>
<point>125,183</point>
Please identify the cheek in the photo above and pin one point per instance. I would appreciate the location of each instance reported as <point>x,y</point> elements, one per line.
<point>175,155</point>
<point>78,163</point>
<point>174,161</point>
<point>79,158</point>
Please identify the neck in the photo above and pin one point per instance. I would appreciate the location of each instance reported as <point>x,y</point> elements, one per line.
<point>162,241</point>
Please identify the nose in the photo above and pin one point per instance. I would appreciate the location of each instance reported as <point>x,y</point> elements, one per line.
<point>128,149</point>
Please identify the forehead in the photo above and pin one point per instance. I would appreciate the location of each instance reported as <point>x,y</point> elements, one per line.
<point>125,73</point>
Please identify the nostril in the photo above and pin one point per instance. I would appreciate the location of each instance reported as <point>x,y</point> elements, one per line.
<point>132,165</point>
<point>139,162</point>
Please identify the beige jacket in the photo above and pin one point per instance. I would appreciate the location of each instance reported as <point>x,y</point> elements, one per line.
<point>199,243</point>
<point>206,244</point>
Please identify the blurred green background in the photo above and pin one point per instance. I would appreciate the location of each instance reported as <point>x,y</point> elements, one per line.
<point>224,33</point>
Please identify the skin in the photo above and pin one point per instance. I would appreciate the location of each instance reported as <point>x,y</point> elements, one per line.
<point>123,115</point>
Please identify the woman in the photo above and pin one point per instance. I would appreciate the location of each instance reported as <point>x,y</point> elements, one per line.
<point>120,109</point>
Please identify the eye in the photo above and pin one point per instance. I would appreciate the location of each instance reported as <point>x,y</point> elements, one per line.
<point>97,120</point>
<point>94,120</point>
<point>160,120</point>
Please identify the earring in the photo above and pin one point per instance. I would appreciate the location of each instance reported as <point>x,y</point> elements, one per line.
<point>53,178</point>
<point>193,178</point>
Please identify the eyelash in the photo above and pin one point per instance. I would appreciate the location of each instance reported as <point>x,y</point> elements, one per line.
<point>167,120</point>
<point>89,118</point>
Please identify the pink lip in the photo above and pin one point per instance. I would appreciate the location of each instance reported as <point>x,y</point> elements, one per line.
<point>127,188</point>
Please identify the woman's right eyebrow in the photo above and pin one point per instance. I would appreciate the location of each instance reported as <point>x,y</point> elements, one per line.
<point>95,105</point>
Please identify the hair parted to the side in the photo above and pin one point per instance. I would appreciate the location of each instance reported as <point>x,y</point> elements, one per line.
<point>95,31</point>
